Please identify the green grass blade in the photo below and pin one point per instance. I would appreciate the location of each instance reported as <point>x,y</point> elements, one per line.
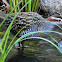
<point>16,4</point>
<point>52,38</point>
<point>29,6</point>
<point>26,8</point>
<point>10,2</point>
<point>34,4</point>
<point>5,42</point>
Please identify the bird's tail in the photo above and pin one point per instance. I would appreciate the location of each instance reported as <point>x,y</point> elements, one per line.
<point>2,15</point>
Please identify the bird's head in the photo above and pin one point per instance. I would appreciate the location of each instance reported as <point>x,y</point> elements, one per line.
<point>54,18</point>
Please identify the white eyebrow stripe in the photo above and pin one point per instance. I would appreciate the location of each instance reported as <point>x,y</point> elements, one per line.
<point>54,18</point>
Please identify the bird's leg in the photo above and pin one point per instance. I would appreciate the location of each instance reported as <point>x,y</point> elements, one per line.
<point>19,44</point>
<point>22,44</point>
<point>21,50</point>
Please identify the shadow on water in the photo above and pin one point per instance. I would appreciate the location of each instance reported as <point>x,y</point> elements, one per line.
<point>25,55</point>
<point>22,58</point>
<point>43,53</point>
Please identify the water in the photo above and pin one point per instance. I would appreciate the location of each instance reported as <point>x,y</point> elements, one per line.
<point>37,53</point>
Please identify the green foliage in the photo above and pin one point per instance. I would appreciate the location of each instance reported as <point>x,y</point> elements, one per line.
<point>31,7</point>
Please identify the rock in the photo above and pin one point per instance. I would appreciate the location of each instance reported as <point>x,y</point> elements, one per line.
<point>51,6</point>
<point>60,45</point>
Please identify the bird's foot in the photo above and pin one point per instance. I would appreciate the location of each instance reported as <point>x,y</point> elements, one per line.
<point>17,46</point>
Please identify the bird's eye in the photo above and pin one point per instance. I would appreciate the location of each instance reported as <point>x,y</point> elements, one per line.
<point>59,20</point>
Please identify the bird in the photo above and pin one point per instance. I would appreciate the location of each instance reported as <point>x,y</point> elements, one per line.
<point>34,22</point>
